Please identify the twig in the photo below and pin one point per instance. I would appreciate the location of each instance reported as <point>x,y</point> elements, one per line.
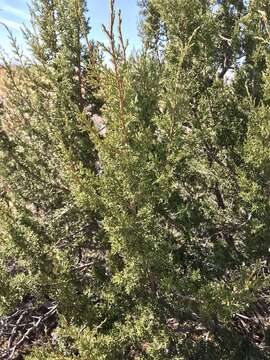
<point>30,330</point>
<point>121,39</point>
<point>113,52</point>
<point>21,322</point>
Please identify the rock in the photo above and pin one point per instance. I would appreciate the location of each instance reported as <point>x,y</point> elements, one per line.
<point>97,120</point>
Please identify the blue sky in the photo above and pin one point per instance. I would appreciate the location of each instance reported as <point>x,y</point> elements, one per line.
<point>14,13</point>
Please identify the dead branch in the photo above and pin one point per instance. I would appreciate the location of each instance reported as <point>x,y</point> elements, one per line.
<point>115,61</point>
<point>24,327</point>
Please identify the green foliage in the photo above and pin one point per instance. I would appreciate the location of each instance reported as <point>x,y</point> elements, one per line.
<point>161,253</point>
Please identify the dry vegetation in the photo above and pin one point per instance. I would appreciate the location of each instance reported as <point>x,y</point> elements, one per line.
<point>2,77</point>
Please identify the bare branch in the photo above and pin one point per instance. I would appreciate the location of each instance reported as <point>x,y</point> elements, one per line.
<point>114,57</point>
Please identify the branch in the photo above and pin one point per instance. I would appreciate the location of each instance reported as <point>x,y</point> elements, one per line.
<point>113,53</point>
<point>121,39</point>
